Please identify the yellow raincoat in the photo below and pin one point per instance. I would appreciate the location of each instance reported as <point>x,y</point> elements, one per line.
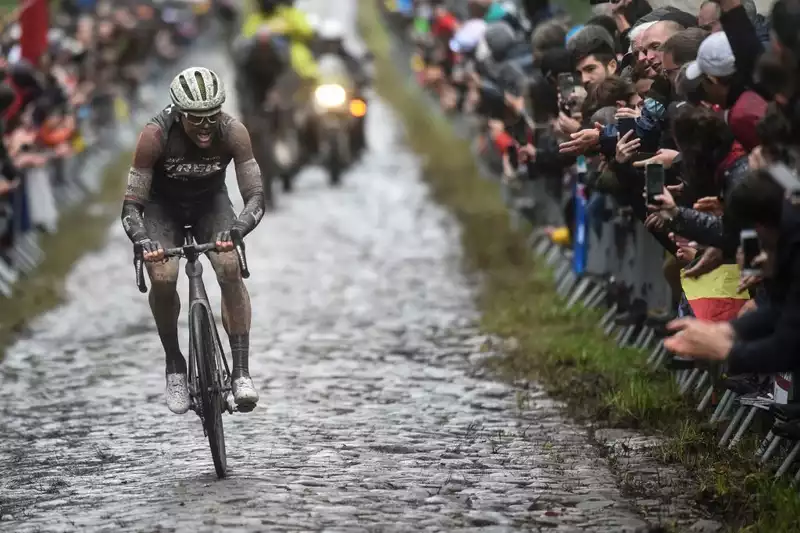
<point>292,23</point>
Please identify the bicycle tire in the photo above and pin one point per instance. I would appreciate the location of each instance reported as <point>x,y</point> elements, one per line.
<point>210,395</point>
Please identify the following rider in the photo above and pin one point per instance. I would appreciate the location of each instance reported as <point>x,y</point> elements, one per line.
<point>282,18</point>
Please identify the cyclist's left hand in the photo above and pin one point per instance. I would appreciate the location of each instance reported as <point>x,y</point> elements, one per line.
<point>224,241</point>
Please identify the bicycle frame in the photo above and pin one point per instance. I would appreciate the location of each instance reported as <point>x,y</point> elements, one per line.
<point>199,297</point>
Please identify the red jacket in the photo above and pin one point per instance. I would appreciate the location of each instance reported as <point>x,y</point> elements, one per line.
<point>445,26</point>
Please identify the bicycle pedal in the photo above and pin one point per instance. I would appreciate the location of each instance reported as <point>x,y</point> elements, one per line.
<point>230,404</point>
<point>246,408</point>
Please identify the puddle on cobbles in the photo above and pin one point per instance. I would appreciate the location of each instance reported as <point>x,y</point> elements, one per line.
<point>372,417</point>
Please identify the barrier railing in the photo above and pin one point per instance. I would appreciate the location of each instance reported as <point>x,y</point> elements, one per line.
<point>617,265</point>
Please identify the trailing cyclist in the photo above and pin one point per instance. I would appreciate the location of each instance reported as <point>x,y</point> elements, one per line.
<point>281,18</point>
<point>178,178</point>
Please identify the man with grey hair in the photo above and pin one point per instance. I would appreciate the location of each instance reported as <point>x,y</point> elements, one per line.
<point>653,38</point>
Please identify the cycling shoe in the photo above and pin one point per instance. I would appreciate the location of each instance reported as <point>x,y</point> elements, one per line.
<point>244,393</point>
<point>177,393</point>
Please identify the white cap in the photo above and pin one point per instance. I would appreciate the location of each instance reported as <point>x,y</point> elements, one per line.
<point>714,58</point>
<point>467,37</point>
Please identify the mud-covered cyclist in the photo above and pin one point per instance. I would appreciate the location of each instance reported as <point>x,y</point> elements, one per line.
<point>178,178</point>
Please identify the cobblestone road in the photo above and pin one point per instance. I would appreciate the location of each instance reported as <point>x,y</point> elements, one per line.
<point>372,416</point>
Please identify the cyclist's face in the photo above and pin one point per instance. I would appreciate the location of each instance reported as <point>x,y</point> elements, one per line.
<point>201,130</point>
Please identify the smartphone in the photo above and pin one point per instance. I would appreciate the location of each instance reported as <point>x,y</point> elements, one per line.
<point>654,182</point>
<point>566,84</point>
<point>624,125</point>
<point>608,145</point>
<point>751,248</point>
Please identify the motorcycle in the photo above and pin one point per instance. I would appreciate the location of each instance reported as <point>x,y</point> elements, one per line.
<point>336,110</point>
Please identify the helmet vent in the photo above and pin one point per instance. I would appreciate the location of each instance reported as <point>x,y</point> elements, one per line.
<point>215,85</point>
<point>201,84</point>
<point>186,89</point>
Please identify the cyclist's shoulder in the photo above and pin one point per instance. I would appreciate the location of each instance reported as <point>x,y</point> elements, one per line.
<point>155,133</point>
<point>164,119</point>
<point>231,129</point>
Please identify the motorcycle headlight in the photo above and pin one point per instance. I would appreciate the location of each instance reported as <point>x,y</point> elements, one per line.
<point>330,96</point>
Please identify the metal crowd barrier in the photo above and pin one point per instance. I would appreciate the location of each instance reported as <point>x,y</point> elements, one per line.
<point>622,253</point>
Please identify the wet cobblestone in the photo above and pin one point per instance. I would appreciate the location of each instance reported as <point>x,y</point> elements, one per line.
<point>372,416</point>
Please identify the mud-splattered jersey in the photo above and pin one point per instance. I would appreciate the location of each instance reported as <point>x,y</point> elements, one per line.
<point>186,175</point>
<point>170,169</point>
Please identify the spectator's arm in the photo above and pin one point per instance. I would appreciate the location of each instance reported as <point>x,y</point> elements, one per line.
<point>631,195</point>
<point>778,352</point>
<point>743,38</point>
<point>7,186</point>
<point>705,228</point>
<point>756,324</point>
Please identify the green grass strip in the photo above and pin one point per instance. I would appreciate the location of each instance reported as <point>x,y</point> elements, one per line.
<point>563,349</point>
<point>80,230</point>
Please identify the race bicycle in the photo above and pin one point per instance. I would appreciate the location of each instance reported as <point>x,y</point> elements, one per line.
<point>209,377</point>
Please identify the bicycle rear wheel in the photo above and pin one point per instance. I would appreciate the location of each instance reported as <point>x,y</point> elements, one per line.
<point>210,390</point>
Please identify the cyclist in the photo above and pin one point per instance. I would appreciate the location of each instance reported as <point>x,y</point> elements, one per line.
<point>178,178</point>
<point>260,61</point>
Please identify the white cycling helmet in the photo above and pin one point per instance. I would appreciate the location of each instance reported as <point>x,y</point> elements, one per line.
<point>331,30</point>
<point>197,90</point>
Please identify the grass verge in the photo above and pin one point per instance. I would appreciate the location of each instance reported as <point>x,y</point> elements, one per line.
<point>563,349</point>
<point>79,230</point>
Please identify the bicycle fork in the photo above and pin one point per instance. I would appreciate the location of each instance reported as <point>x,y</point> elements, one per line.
<point>222,380</point>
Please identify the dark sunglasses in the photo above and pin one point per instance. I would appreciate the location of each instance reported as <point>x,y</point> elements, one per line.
<point>194,120</point>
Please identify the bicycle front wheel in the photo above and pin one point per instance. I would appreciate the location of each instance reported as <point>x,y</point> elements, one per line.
<point>211,396</point>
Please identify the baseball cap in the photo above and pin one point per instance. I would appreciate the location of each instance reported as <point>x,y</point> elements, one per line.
<point>468,36</point>
<point>714,58</point>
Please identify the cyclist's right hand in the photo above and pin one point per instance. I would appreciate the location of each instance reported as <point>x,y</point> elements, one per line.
<point>152,251</point>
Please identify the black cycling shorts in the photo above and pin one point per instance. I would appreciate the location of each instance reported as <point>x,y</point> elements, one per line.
<point>165,223</point>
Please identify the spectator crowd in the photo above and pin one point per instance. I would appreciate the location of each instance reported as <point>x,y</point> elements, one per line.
<point>656,134</point>
<point>67,79</point>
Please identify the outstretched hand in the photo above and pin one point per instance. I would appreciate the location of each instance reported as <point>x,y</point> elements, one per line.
<point>700,339</point>
<point>582,141</point>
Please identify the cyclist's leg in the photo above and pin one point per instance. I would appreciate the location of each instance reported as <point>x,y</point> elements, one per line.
<point>165,304</point>
<point>235,298</point>
<point>164,301</point>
